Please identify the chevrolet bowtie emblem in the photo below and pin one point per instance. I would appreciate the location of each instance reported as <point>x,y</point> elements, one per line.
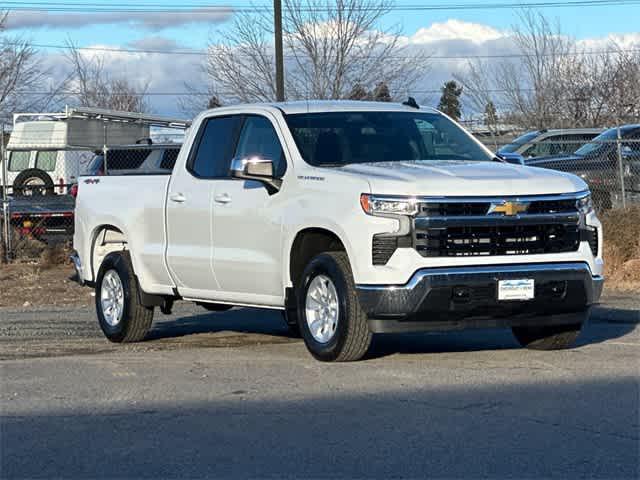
<point>508,208</point>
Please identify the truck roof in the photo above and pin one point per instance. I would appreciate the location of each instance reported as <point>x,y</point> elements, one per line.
<point>319,106</point>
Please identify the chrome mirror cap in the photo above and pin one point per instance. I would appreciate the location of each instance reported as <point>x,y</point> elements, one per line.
<point>256,168</point>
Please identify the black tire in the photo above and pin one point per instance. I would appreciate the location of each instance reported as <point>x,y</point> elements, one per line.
<point>136,319</point>
<point>352,337</point>
<point>550,337</point>
<point>20,186</point>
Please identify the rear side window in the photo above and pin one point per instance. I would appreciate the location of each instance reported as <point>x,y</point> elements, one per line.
<point>19,161</point>
<point>216,143</point>
<point>46,160</point>
<point>169,158</point>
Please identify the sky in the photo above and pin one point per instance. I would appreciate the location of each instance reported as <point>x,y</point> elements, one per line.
<point>446,31</point>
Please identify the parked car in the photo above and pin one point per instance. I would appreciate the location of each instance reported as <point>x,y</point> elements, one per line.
<point>597,163</point>
<point>353,218</point>
<point>550,142</point>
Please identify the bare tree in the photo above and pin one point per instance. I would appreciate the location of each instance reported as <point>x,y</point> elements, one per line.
<point>555,82</point>
<point>90,85</point>
<point>23,82</point>
<point>195,101</point>
<point>329,47</point>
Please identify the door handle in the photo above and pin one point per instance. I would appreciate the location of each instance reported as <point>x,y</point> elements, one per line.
<point>177,197</point>
<point>222,198</point>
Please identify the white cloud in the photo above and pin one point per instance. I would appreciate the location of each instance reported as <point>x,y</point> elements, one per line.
<point>153,21</point>
<point>621,40</point>
<point>454,29</point>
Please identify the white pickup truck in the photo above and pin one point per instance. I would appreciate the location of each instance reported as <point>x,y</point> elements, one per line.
<point>353,218</point>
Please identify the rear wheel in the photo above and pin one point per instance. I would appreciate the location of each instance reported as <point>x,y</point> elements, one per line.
<point>550,337</point>
<point>121,316</point>
<point>332,323</point>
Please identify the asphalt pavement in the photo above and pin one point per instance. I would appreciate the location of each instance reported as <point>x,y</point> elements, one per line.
<point>231,395</point>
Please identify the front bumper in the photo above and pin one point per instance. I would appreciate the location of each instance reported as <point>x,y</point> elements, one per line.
<point>443,298</point>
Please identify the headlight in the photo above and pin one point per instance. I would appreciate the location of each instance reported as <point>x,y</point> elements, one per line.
<point>380,205</point>
<point>584,205</point>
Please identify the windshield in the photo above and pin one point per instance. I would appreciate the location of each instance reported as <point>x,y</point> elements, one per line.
<point>343,138</point>
<point>598,143</point>
<point>518,142</point>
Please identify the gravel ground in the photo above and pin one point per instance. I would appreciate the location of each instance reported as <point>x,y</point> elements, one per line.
<point>231,395</point>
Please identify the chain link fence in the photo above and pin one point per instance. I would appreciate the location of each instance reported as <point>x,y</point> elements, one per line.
<point>40,185</point>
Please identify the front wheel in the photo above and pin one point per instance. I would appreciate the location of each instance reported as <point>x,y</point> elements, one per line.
<point>121,316</point>
<point>549,337</point>
<point>332,323</point>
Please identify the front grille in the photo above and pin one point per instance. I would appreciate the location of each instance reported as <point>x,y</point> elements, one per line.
<point>552,206</point>
<point>455,209</point>
<point>464,227</point>
<point>497,240</point>
<point>466,209</point>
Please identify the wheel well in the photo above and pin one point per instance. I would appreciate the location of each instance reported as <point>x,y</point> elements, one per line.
<point>309,243</point>
<point>107,239</point>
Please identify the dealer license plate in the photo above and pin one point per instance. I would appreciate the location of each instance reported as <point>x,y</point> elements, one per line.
<point>522,289</point>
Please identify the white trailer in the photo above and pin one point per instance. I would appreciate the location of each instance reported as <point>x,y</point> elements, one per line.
<point>47,152</point>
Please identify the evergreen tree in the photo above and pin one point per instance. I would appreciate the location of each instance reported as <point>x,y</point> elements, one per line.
<point>450,100</point>
<point>358,92</point>
<point>214,102</point>
<point>491,116</point>
<point>381,93</point>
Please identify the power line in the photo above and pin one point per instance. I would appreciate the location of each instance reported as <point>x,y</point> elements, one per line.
<point>89,7</point>
<point>71,93</point>
<point>405,57</point>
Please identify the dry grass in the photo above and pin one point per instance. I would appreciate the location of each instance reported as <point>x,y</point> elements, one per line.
<point>30,285</point>
<point>622,248</point>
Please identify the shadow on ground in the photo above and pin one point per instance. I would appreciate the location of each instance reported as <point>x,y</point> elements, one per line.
<point>563,430</point>
<point>250,326</point>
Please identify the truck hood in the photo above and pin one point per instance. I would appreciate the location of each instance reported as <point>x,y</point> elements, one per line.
<point>462,178</point>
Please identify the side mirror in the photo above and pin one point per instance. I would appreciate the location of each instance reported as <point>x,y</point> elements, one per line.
<point>258,169</point>
<point>626,151</point>
<point>514,158</point>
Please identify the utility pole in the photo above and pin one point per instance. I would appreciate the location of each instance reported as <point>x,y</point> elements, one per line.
<point>277,24</point>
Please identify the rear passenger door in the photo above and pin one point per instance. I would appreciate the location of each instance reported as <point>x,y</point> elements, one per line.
<point>190,204</point>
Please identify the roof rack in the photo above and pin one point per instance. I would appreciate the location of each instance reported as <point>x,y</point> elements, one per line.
<point>106,115</point>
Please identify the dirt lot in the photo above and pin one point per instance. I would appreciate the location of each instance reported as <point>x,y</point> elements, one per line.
<point>31,284</point>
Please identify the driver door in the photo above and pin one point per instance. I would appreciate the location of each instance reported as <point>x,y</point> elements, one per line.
<point>247,225</point>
